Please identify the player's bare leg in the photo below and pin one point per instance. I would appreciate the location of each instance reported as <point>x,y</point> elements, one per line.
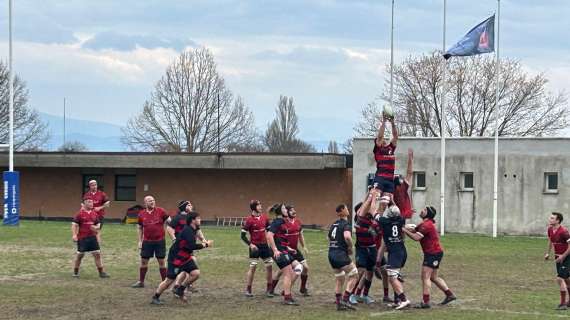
<point>188,281</point>
<point>275,280</point>
<point>440,283</point>
<point>304,276</point>
<point>288,275</point>
<point>563,291</point>
<point>77,263</point>
<point>165,284</point>
<point>99,264</point>
<point>398,288</point>
<point>162,268</point>
<point>269,277</point>
<point>142,274</point>
<point>351,273</point>
<point>249,277</point>
<point>339,284</point>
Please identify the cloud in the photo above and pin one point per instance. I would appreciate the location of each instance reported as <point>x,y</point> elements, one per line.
<point>124,42</point>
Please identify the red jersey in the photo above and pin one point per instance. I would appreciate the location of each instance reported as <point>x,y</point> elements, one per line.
<point>402,199</point>
<point>294,228</point>
<point>152,223</point>
<point>99,198</point>
<point>256,227</point>
<point>430,241</point>
<point>559,239</point>
<point>385,160</point>
<point>86,219</point>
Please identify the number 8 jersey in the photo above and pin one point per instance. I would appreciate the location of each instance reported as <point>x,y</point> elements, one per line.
<point>336,235</point>
<point>392,230</point>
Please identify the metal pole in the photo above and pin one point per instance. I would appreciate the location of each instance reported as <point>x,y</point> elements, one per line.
<point>496,172</point>
<point>63,124</point>
<point>443,90</point>
<point>218,122</point>
<point>392,60</point>
<point>11,87</point>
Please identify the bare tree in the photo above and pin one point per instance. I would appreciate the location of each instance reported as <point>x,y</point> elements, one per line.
<point>281,134</point>
<point>333,147</point>
<point>347,146</point>
<point>73,146</point>
<point>30,132</point>
<point>182,112</point>
<point>526,108</point>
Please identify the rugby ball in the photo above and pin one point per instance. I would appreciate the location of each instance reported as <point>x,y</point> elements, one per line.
<point>388,112</point>
<point>410,226</point>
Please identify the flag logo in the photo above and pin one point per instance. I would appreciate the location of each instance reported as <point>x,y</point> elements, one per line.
<point>480,39</point>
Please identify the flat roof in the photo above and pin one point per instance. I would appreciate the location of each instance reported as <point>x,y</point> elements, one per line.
<point>134,160</point>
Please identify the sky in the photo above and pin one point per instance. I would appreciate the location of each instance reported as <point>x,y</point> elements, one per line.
<point>104,57</point>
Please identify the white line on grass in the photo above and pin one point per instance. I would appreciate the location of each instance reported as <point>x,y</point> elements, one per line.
<point>536,313</point>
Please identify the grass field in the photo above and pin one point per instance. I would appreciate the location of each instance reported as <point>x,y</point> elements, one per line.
<point>503,278</point>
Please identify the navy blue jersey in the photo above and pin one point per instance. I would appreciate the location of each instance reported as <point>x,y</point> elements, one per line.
<point>392,230</point>
<point>280,234</point>
<point>178,222</point>
<point>336,235</point>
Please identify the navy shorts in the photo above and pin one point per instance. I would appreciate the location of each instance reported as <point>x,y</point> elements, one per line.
<point>397,259</point>
<point>366,257</point>
<point>298,256</point>
<point>385,185</point>
<point>262,252</point>
<point>284,260</point>
<point>339,259</point>
<point>87,244</point>
<point>153,249</point>
<point>432,260</point>
<point>563,268</point>
<point>173,270</point>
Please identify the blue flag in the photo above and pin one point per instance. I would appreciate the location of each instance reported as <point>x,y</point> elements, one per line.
<point>480,39</point>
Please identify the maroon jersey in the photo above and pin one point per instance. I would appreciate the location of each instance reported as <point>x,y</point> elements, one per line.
<point>366,231</point>
<point>559,239</point>
<point>256,226</point>
<point>152,223</point>
<point>280,231</point>
<point>294,228</point>
<point>385,160</point>
<point>99,198</point>
<point>86,219</point>
<point>402,199</point>
<point>430,241</point>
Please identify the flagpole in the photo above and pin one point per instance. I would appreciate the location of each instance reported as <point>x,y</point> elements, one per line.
<point>442,174</point>
<point>496,171</point>
<point>11,88</point>
<point>392,60</point>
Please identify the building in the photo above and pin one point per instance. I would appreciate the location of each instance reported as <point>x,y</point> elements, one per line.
<point>534,180</point>
<point>219,185</point>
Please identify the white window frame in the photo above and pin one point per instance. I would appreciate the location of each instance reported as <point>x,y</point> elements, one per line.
<point>462,176</point>
<point>546,178</point>
<point>415,182</point>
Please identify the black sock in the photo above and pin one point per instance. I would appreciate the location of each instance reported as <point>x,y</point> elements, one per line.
<point>156,295</point>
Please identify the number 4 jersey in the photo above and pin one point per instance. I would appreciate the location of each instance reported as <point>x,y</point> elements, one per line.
<point>336,235</point>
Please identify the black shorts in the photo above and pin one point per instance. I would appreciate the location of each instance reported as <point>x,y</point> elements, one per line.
<point>339,259</point>
<point>386,185</point>
<point>101,218</point>
<point>262,252</point>
<point>284,260</point>
<point>432,260</point>
<point>298,256</point>
<point>366,257</point>
<point>397,259</point>
<point>153,249</point>
<point>88,244</point>
<point>563,268</point>
<point>173,271</point>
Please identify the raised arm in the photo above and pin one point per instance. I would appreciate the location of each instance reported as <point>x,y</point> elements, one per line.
<point>380,136</point>
<point>394,140</point>
<point>410,169</point>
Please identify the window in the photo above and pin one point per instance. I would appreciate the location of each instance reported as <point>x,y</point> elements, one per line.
<point>551,182</point>
<point>419,180</point>
<point>467,181</point>
<point>126,187</point>
<point>96,177</point>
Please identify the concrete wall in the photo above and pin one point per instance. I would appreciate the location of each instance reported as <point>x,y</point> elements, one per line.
<point>56,192</point>
<point>523,204</point>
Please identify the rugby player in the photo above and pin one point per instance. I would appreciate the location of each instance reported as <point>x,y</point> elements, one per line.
<point>100,202</point>
<point>385,156</point>
<point>401,189</point>
<point>426,234</point>
<point>181,259</point>
<point>558,238</point>
<point>392,224</point>
<point>151,238</point>
<point>84,229</point>
<point>277,237</point>
<point>340,249</point>
<point>256,225</point>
